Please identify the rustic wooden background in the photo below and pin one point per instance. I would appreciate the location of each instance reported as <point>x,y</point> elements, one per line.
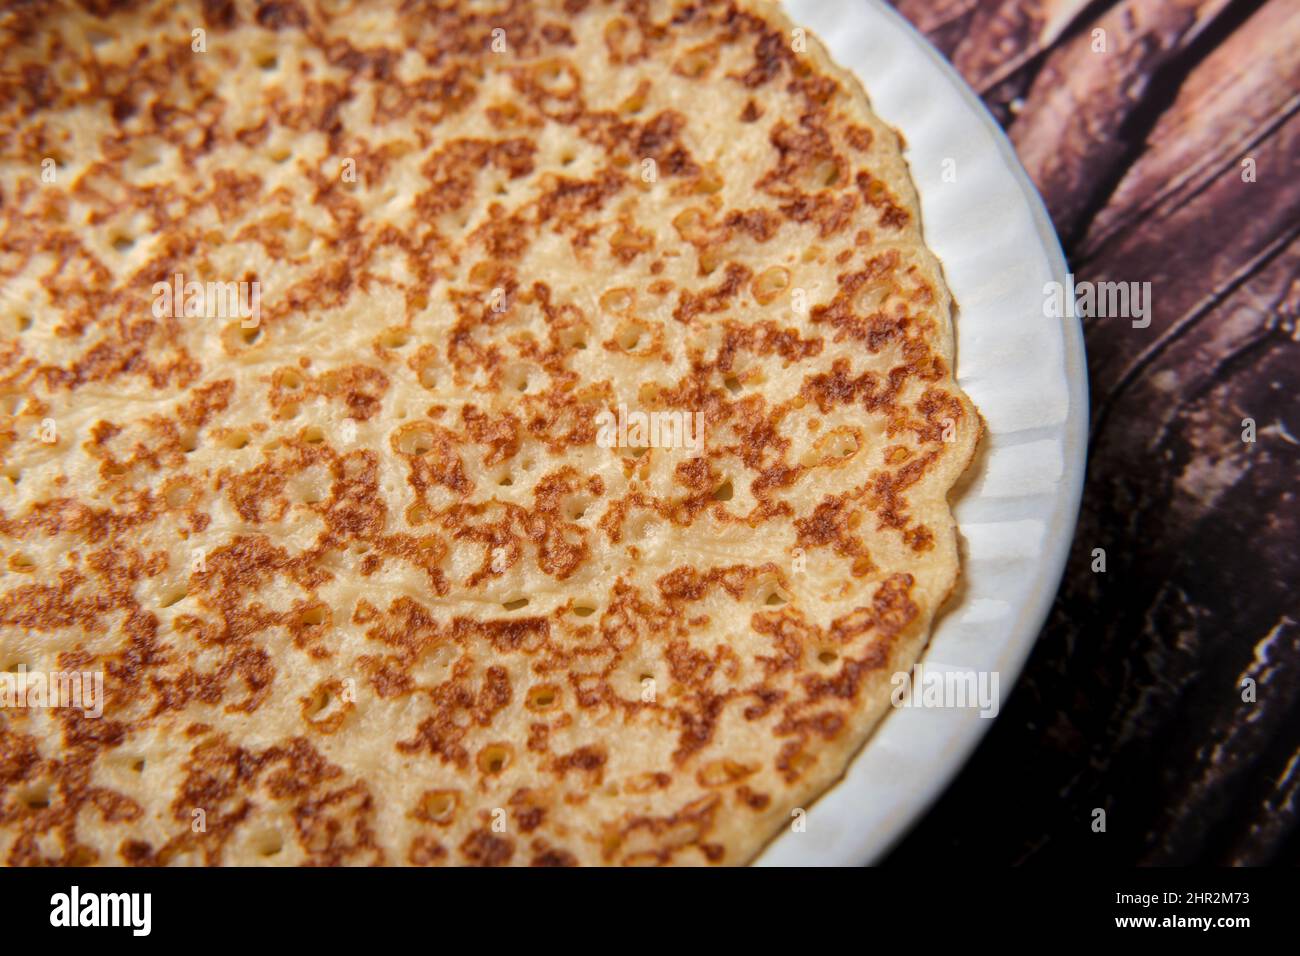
<point>1132,701</point>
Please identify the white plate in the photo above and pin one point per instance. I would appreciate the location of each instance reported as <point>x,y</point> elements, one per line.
<point>1026,375</point>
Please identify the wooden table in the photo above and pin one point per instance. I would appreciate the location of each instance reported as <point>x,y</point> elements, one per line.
<point>1168,151</point>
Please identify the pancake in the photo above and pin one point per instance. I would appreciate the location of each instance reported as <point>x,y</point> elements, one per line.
<point>464,433</point>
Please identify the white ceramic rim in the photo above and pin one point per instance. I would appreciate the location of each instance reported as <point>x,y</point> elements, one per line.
<point>1025,373</point>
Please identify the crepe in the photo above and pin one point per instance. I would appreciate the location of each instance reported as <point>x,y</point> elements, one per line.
<point>455,433</point>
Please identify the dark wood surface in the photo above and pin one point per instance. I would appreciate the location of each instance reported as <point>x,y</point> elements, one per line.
<point>1132,701</point>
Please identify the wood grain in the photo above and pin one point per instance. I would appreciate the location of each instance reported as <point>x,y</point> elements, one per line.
<point>1173,157</point>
